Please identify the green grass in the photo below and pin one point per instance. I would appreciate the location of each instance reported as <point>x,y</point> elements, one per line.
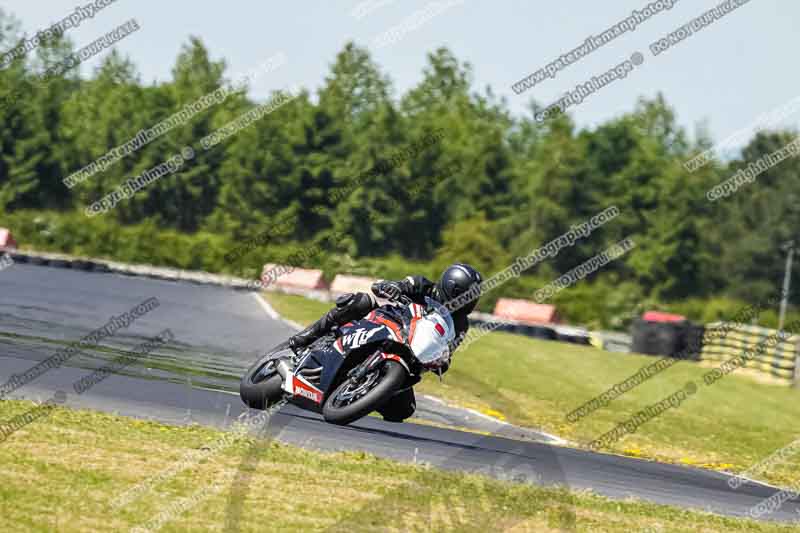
<point>63,472</point>
<point>730,426</point>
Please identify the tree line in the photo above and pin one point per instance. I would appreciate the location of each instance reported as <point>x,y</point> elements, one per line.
<point>405,182</point>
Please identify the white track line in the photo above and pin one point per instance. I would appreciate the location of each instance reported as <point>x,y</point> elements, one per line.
<point>556,439</point>
<point>266,307</point>
<point>274,314</point>
<point>753,481</point>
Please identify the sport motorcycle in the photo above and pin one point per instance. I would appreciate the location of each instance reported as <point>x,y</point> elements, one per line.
<point>359,367</point>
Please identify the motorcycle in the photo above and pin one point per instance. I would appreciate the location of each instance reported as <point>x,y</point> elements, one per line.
<point>357,369</point>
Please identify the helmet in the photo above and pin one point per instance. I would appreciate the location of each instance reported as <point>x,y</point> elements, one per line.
<point>458,280</point>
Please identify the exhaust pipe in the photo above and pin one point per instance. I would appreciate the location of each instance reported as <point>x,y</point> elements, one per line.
<point>285,372</point>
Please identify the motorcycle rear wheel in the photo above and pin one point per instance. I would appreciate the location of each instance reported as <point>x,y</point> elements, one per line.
<point>347,403</point>
<point>258,389</point>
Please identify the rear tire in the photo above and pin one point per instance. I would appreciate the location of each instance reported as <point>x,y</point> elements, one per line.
<point>258,391</point>
<point>391,378</point>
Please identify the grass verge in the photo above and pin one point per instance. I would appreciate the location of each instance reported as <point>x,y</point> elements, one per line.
<point>64,471</point>
<point>729,426</point>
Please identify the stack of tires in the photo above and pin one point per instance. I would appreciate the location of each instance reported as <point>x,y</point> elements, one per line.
<point>667,334</point>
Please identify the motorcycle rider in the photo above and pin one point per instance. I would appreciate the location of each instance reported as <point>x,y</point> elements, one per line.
<point>455,281</point>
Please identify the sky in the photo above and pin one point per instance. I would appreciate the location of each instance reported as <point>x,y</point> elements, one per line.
<point>723,77</point>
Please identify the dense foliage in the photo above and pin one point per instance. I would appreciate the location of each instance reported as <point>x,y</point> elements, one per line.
<point>351,158</point>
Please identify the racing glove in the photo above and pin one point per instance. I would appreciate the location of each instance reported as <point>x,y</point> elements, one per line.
<point>391,290</point>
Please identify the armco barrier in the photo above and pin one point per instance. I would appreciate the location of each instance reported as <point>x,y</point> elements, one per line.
<point>778,359</point>
<point>525,311</point>
<point>96,265</point>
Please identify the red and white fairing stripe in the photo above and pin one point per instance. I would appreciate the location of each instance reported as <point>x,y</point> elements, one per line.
<point>416,314</point>
<point>395,335</point>
<point>393,328</point>
<point>304,389</point>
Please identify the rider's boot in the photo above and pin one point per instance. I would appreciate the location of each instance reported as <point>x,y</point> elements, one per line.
<point>311,333</point>
<point>349,307</point>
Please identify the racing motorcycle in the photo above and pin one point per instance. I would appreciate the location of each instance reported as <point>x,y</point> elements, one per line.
<point>359,367</point>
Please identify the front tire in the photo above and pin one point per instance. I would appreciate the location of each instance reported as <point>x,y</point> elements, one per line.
<point>341,410</point>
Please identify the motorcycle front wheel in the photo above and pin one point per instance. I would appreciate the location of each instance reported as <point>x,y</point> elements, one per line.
<point>356,399</point>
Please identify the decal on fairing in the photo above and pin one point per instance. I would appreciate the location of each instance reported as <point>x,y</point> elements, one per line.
<point>358,338</point>
<point>306,390</point>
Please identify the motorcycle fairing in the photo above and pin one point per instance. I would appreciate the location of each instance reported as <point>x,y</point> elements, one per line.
<point>383,325</point>
<point>352,337</point>
<point>301,388</point>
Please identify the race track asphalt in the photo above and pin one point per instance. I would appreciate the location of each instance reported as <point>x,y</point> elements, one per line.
<point>219,332</point>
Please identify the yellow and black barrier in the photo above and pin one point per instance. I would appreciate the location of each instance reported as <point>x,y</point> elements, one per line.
<point>769,350</point>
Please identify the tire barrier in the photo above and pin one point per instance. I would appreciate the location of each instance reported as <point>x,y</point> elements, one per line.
<point>539,321</point>
<point>60,263</point>
<point>536,332</point>
<point>611,341</point>
<point>573,335</point>
<point>547,332</point>
<point>79,264</point>
<point>777,359</point>
<point>112,267</point>
<point>673,339</point>
<point>695,333</point>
